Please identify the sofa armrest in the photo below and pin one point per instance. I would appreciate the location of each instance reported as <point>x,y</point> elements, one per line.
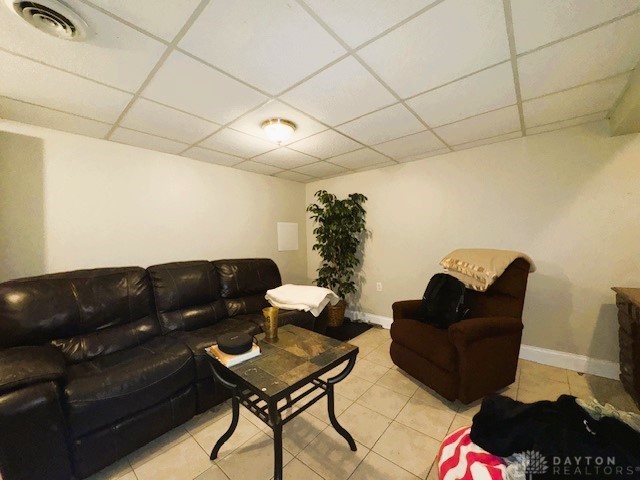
<point>407,309</point>
<point>474,329</point>
<point>23,366</point>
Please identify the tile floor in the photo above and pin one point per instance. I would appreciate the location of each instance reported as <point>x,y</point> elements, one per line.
<point>397,422</point>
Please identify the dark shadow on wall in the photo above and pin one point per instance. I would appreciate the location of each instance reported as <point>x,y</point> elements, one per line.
<point>22,235</point>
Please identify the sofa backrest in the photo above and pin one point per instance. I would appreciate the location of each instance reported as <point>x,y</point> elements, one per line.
<point>85,313</point>
<point>187,295</point>
<point>505,297</point>
<point>244,282</point>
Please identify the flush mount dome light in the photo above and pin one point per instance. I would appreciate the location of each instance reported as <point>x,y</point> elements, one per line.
<point>278,129</point>
<point>52,17</point>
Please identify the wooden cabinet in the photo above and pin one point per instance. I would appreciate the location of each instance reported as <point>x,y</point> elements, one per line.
<point>628,302</point>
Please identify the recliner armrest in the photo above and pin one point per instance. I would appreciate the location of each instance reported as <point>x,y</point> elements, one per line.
<point>407,309</point>
<point>474,329</point>
<point>22,366</point>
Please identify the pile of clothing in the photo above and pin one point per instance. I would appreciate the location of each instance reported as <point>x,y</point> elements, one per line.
<point>564,439</point>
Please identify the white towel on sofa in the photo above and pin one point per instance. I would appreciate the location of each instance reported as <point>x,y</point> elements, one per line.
<point>301,297</point>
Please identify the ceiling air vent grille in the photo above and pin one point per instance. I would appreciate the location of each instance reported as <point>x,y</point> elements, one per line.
<point>52,17</point>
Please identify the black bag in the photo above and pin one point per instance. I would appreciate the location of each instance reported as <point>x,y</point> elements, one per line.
<point>443,301</point>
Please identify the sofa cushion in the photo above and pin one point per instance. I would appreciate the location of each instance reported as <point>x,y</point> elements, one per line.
<point>89,312</point>
<point>296,317</point>
<point>187,295</point>
<point>198,340</point>
<point>244,283</point>
<point>111,387</point>
<point>425,340</point>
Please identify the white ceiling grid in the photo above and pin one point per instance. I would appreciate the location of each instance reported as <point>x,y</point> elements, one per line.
<point>369,83</point>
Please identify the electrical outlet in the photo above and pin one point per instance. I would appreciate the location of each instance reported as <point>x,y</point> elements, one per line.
<point>379,286</point>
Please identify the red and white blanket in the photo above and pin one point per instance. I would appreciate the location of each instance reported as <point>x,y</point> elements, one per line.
<point>461,459</point>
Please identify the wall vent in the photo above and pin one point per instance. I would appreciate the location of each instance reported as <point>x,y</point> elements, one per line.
<point>52,17</point>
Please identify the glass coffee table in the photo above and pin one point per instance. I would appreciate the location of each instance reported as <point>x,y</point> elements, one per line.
<point>291,364</point>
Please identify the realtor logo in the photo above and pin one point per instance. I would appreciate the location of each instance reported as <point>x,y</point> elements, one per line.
<point>533,463</point>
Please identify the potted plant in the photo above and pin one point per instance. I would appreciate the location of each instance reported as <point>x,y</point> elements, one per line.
<point>339,232</point>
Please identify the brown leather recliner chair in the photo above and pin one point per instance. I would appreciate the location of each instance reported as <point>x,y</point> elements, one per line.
<point>473,357</point>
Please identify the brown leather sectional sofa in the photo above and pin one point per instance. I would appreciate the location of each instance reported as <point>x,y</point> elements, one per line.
<point>96,363</point>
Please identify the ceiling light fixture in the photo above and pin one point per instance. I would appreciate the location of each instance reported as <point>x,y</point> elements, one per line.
<point>278,129</point>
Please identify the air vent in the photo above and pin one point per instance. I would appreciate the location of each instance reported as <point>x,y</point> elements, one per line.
<point>52,17</point>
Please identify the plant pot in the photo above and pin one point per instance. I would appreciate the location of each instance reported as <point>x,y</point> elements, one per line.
<point>335,314</point>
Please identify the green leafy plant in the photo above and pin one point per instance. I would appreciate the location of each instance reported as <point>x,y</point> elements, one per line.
<point>339,232</point>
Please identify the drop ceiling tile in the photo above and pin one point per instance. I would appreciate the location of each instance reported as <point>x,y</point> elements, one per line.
<point>206,155</point>
<point>593,117</point>
<point>33,82</point>
<point>193,87</point>
<point>45,117</point>
<point>321,169</point>
<point>294,176</point>
<point>386,124</point>
<point>163,18</point>
<point>591,98</point>
<point>488,90</point>
<point>377,166</point>
<point>325,144</point>
<point>498,122</point>
<point>359,159</point>
<point>285,158</point>
<point>256,167</point>
<point>270,45</point>
<point>413,158</point>
<point>340,93</point>
<point>144,140</point>
<point>112,53</point>
<point>251,123</point>
<point>237,143</point>
<point>411,146</point>
<point>356,21</point>
<point>450,40</point>
<point>538,22</point>
<point>606,51</point>
<point>488,141</point>
<point>150,117</point>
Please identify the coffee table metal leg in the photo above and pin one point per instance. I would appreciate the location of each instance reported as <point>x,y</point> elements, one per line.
<point>235,406</point>
<point>331,403</point>
<point>276,425</point>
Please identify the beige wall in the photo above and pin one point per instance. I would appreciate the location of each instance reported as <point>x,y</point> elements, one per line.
<point>99,203</point>
<point>570,199</point>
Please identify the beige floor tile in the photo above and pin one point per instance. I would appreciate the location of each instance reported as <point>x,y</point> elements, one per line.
<point>183,461</point>
<point>368,370</point>
<point>244,412</point>
<point>213,473</point>
<point>551,391</point>
<point>365,344</point>
<point>469,410</point>
<point>205,419</point>
<point>546,372</point>
<point>254,459</point>
<point>296,470</point>
<point>208,436</point>
<point>352,387</point>
<point>459,421</point>
<point>511,391</point>
<point>334,371</point>
<point>299,432</point>
<point>116,471</point>
<point>380,355</point>
<point>365,425</point>
<point>425,418</point>
<point>376,467</point>
<point>535,382</point>
<point>429,396</point>
<point>158,446</point>
<point>382,400</point>
<point>329,455</point>
<point>433,473</point>
<point>319,409</point>
<point>400,382</point>
<point>400,445</point>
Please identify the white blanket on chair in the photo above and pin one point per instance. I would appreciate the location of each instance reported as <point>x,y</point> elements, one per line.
<point>301,297</point>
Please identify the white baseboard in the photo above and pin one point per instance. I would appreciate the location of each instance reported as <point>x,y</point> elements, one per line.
<point>554,358</point>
